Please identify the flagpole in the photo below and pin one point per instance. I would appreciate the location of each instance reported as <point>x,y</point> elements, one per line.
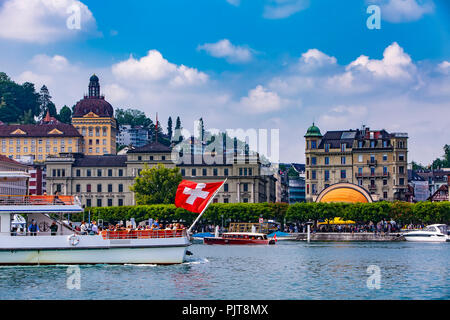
<point>206,207</point>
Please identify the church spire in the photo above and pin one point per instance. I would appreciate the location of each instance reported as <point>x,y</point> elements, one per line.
<point>94,87</point>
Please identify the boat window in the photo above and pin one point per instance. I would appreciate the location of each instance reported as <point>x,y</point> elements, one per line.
<point>443,229</point>
<point>431,229</point>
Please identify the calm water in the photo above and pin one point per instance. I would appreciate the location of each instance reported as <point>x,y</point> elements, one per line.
<point>290,270</point>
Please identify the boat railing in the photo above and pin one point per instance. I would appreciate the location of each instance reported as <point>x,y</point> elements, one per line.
<point>28,200</point>
<point>142,234</point>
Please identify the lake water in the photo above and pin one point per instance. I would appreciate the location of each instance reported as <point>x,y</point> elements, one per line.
<point>288,270</point>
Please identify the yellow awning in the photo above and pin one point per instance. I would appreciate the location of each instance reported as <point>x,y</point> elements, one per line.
<point>337,220</point>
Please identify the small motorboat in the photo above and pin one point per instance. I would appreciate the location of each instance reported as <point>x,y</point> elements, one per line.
<point>239,238</point>
<point>432,233</point>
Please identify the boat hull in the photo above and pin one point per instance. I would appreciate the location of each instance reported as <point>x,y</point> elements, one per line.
<point>425,238</point>
<point>222,241</point>
<point>91,250</point>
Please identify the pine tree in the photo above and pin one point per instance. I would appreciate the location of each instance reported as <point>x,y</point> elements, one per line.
<point>45,102</point>
<point>169,128</point>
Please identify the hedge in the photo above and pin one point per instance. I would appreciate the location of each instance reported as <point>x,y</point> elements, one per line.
<point>422,212</point>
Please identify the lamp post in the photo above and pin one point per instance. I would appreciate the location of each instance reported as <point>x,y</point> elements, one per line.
<point>308,227</point>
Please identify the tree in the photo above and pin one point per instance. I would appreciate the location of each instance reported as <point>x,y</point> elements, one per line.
<point>157,185</point>
<point>445,162</point>
<point>133,117</point>
<point>178,124</point>
<point>201,130</point>
<point>65,115</point>
<point>45,102</point>
<point>169,128</point>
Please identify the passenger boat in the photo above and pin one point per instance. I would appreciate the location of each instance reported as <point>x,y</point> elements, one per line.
<point>432,233</point>
<point>241,238</point>
<point>19,247</point>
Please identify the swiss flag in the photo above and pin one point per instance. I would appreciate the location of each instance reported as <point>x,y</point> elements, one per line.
<point>194,196</point>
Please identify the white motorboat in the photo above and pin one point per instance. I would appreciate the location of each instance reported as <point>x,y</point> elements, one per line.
<point>432,233</point>
<point>19,246</point>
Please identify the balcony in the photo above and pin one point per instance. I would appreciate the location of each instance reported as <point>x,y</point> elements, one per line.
<point>372,187</point>
<point>372,162</point>
<point>374,175</point>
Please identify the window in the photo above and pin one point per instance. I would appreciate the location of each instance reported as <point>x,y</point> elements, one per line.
<point>372,159</point>
<point>99,188</point>
<point>385,182</point>
<point>120,187</point>
<point>110,188</point>
<point>360,144</point>
<point>88,203</point>
<point>139,158</point>
<point>163,158</point>
<point>385,144</point>
<point>314,189</point>
<point>343,147</point>
<point>245,172</point>
<point>88,172</point>
<point>314,144</point>
<point>360,171</point>
<point>401,181</point>
<point>225,187</point>
<point>245,185</point>
<point>110,173</point>
<point>385,170</point>
<point>250,171</point>
<point>194,172</point>
<point>78,188</point>
<point>225,172</point>
<point>360,182</point>
<point>401,170</point>
<point>385,157</point>
<point>99,172</point>
<point>204,172</point>
<point>401,157</point>
<point>120,202</point>
<point>342,160</point>
<point>78,173</point>
<point>151,158</point>
<point>99,202</point>
<point>110,202</point>
<point>372,144</point>
<point>225,200</point>
<point>215,172</point>
<point>343,174</point>
<point>372,171</point>
<point>313,175</point>
<point>120,172</point>
<point>313,161</point>
<point>245,200</point>
<point>327,175</point>
<point>327,160</point>
<point>88,188</point>
<point>327,147</point>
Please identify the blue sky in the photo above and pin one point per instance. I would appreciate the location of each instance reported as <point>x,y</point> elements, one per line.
<point>246,64</point>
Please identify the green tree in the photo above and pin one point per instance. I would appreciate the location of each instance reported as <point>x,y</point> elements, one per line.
<point>133,117</point>
<point>65,115</point>
<point>169,128</point>
<point>45,103</point>
<point>157,185</point>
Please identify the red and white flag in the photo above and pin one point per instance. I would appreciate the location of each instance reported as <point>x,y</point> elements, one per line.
<point>194,196</point>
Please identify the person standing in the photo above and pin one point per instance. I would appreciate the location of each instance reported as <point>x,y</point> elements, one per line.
<point>53,229</point>
<point>33,228</point>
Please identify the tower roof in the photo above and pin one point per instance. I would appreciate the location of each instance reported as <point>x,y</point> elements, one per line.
<point>94,102</point>
<point>313,131</point>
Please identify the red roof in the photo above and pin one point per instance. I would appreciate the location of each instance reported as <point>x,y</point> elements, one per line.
<point>6,159</point>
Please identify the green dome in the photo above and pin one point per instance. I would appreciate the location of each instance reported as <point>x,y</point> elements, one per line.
<point>94,78</point>
<point>313,131</point>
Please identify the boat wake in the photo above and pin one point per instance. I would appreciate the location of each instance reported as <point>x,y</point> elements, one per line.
<point>201,261</point>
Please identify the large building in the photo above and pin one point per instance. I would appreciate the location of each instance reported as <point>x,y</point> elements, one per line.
<point>136,136</point>
<point>106,180</point>
<point>13,177</point>
<point>373,159</point>
<point>94,118</point>
<point>38,141</point>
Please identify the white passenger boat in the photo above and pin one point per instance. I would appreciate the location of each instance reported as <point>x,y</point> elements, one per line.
<point>432,233</point>
<point>20,247</point>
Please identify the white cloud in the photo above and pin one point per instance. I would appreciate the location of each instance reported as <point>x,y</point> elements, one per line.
<point>42,21</point>
<point>153,67</point>
<point>344,117</point>
<point>444,67</point>
<point>395,64</point>
<point>404,10</point>
<point>225,49</point>
<point>261,100</point>
<point>116,93</point>
<point>279,9</point>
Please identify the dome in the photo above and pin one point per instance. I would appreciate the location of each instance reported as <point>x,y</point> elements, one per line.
<point>313,131</point>
<point>345,192</point>
<point>94,78</point>
<point>99,106</point>
<point>94,102</point>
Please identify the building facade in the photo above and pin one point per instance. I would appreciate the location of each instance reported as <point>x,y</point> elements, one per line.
<point>106,180</point>
<point>93,117</point>
<point>38,141</point>
<point>136,136</point>
<point>375,160</point>
<point>13,177</point>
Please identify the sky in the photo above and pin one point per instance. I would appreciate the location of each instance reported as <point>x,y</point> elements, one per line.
<point>250,64</point>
